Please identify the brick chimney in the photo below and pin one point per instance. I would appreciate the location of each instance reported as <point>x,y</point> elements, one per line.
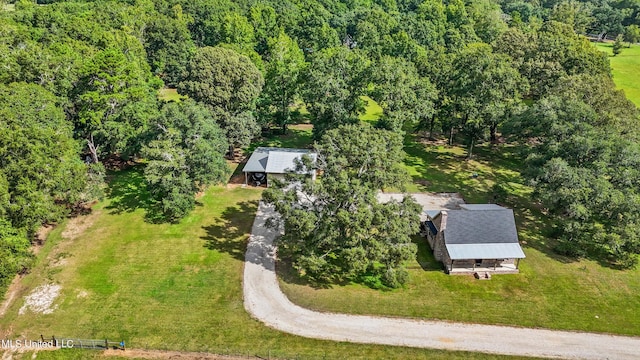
<point>443,220</point>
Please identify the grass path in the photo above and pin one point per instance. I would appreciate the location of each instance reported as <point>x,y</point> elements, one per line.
<point>626,69</point>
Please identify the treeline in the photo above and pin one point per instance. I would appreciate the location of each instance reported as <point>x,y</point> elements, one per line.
<point>599,18</point>
<point>79,83</point>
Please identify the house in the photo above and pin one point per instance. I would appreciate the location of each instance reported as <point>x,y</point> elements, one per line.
<point>478,238</point>
<point>268,163</point>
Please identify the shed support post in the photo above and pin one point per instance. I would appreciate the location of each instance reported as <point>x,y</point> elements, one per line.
<point>246,178</point>
<point>517,263</point>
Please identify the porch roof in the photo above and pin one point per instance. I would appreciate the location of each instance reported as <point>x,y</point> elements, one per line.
<point>485,251</point>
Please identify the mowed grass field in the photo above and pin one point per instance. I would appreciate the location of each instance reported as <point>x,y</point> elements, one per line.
<point>165,286</point>
<point>626,69</point>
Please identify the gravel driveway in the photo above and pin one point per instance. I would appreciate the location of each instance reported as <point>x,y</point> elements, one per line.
<point>264,301</point>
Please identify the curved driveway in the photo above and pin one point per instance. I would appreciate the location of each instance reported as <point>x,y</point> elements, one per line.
<point>264,301</point>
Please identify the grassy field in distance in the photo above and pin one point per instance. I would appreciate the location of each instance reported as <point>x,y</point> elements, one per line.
<point>626,69</point>
<point>167,94</point>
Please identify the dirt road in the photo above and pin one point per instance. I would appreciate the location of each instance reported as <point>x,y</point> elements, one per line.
<point>264,300</point>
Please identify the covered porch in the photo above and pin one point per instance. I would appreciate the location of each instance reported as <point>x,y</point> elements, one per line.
<point>497,266</point>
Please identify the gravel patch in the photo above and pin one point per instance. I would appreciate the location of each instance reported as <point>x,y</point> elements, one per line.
<point>41,299</point>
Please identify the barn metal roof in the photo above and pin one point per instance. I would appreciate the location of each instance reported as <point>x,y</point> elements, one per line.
<point>274,160</point>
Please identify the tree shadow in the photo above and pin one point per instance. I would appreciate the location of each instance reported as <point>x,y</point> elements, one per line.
<point>127,191</point>
<point>424,255</point>
<point>228,233</point>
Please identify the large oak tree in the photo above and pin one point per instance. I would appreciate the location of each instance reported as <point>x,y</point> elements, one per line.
<point>334,228</point>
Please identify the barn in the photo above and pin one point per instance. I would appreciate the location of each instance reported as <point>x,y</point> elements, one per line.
<point>269,163</point>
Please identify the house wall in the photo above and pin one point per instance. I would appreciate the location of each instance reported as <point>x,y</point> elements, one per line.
<point>439,249</point>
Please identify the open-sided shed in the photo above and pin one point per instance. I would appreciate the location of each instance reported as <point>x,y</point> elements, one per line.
<point>268,163</point>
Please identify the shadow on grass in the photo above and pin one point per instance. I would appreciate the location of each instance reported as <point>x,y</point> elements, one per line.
<point>286,272</point>
<point>297,136</point>
<point>424,255</point>
<point>229,232</point>
<point>127,192</point>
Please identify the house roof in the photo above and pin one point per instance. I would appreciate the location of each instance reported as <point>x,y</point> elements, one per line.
<point>481,234</point>
<point>474,207</point>
<point>273,160</point>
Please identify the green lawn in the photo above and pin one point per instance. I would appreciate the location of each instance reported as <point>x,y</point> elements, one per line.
<point>372,112</point>
<point>626,69</point>
<point>297,136</point>
<point>170,95</point>
<point>550,292</point>
<point>165,286</point>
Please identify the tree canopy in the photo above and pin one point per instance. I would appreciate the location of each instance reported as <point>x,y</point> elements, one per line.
<point>185,153</point>
<point>80,79</point>
<point>335,229</point>
<point>229,84</point>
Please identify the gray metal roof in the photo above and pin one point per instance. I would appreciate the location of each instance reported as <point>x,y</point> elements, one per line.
<point>274,160</point>
<point>474,207</point>
<point>431,213</point>
<point>480,227</point>
<point>484,251</point>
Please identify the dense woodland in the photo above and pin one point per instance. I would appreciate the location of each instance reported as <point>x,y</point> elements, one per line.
<point>79,83</point>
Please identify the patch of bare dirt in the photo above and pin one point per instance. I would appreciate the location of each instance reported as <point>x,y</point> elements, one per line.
<point>77,225</point>
<point>164,354</point>
<point>41,299</point>
<point>42,233</point>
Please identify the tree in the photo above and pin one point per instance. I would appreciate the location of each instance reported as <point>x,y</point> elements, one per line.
<point>185,153</point>
<point>585,172</point>
<point>617,45</point>
<point>169,46</point>
<point>39,160</point>
<point>15,252</point>
<point>404,96</point>
<point>236,29</point>
<point>573,13</point>
<point>284,69</point>
<point>484,91</point>
<point>228,84</point>
<point>608,18</point>
<point>632,34</point>
<point>265,25</point>
<point>334,82</point>
<point>113,100</point>
<point>335,229</point>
